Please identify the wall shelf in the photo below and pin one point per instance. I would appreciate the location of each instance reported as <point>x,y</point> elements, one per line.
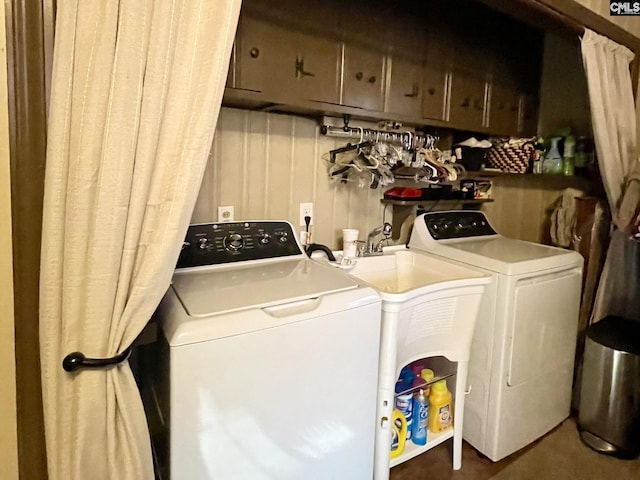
<point>443,201</point>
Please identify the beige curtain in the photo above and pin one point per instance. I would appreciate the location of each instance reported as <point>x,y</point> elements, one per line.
<point>613,115</point>
<point>137,87</point>
<point>613,118</point>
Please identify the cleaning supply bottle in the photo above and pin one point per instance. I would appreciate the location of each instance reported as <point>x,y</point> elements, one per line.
<point>580,159</point>
<point>553,160</point>
<point>420,418</point>
<point>568,156</point>
<point>440,407</point>
<point>404,401</point>
<point>398,433</point>
<point>427,376</point>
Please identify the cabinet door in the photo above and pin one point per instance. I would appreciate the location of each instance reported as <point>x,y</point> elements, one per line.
<point>317,68</point>
<point>504,108</point>
<point>265,57</point>
<point>438,63</point>
<point>467,104</point>
<point>434,95</point>
<point>528,115</point>
<point>284,62</point>
<point>363,78</point>
<point>404,91</point>
<point>406,53</point>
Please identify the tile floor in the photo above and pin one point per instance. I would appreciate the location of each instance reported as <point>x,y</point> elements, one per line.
<point>559,455</point>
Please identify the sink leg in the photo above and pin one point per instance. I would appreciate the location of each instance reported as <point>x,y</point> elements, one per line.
<point>458,414</point>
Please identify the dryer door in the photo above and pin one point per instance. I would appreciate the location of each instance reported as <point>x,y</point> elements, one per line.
<point>544,329</point>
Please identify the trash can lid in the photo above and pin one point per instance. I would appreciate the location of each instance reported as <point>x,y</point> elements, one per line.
<point>618,333</point>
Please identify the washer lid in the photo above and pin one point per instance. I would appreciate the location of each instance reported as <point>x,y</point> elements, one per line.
<point>507,255</point>
<point>211,292</point>
<point>467,237</point>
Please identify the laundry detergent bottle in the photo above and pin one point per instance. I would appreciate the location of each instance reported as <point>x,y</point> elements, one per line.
<point>398,433</point>
<point>440,407</point>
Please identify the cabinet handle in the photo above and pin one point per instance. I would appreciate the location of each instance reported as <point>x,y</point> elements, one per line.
<point>254,52</point>
<point>359,76</point>
<point>431,91</point>
<point>414,91</point>
<point>300,72</point>
<point>465,102</point>
<point>372,79</point>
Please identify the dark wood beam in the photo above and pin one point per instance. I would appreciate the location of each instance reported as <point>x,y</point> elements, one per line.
<point>29,30</point>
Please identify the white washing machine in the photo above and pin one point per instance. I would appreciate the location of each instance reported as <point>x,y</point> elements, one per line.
<point>269,360</point>
<point>522,352</point>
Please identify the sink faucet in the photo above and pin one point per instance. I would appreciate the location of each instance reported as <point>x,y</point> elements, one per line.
<point>369,248</point>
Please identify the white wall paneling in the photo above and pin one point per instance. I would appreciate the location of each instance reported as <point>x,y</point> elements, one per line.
<point>266,164</point>
<point>523,203</point>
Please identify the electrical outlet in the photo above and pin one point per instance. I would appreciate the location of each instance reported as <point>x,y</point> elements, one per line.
<point>306,209</point>
<point>225,214</point>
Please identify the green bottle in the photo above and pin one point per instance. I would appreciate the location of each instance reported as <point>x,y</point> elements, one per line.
<point>568,159</point>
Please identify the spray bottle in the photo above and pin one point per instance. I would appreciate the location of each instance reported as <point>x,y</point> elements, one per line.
<point>420,418</point>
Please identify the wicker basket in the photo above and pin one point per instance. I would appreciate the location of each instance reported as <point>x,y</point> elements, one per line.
<point>511,155</point>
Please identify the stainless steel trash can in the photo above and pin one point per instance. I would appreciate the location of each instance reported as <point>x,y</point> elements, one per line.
<point>609,408</point>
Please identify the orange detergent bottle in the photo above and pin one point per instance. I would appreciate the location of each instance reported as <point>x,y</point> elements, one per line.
<point>440,407</point>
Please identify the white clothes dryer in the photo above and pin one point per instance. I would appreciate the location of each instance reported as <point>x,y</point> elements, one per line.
<point>268,362</point>
<point>522,352</point>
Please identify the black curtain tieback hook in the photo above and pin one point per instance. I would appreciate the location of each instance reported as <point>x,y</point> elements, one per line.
<point>76,360</point>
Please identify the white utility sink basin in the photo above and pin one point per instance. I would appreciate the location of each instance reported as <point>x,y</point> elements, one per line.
<point>399,274</point>
<point>429,309</point>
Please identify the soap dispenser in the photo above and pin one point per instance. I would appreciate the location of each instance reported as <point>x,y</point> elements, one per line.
<point>553,160</point>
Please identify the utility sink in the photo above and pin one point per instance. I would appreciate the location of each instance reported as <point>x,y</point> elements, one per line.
<point>399,274</point>
<point>429,309</point>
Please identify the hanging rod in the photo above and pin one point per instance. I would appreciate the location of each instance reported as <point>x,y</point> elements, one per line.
<point>407,138</point>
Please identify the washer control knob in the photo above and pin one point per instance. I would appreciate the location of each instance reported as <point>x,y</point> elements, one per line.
<point>264,238</point>
<point>283,237</point>
<point>203,243</point>
<point>233,242</point>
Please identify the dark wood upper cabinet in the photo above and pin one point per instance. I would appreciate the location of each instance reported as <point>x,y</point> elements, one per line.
<point>528,115</point>
<point>457,64</point>
<point>363,77</point>
<point>364,33</point>
<point>281,55</point>
<point>406,56</point>
<point>317,63</point>
<point>435,92</point>
<point>504,109</point>
<point>468,102</point>
<point>265,56</point>
<point>404,88</point>
<point>438,63</point>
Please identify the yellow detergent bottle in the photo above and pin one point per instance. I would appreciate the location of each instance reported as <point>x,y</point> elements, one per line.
<point>427,375</point>
<point>398,433</point>
<point>440,407</point>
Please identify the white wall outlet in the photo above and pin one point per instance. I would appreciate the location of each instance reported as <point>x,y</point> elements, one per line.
<point>306,209</point>
<point>225,214</point>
